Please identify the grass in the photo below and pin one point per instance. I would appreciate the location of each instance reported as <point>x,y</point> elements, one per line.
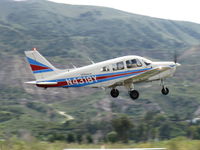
<point>173,144</point>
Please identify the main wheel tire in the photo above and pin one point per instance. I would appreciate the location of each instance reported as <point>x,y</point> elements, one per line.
<point>134,94</point>
<point>114,93</point>
<point>165,91</point>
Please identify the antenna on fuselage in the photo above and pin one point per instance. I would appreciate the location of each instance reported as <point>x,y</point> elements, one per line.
<point>91,60</point>
<point>73,65</point>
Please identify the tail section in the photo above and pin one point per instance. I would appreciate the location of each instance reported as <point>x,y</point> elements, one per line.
<point>40,67</point>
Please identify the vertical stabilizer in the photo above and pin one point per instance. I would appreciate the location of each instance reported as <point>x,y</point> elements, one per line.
<point>41,68</point>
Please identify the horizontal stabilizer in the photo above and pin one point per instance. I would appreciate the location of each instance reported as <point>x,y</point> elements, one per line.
<point>31,82</point>
<point>41,83</point>
<point>46,83</point>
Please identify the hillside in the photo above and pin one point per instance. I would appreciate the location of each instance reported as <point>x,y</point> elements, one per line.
<point>69,34</point>
<point>65,30</point>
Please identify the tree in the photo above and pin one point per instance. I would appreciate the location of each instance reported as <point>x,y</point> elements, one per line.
<point>122,126</point>
<point>89,138</point>
<point>112,136</point>
<point>159,119</point>
<point>70,138</point>
<point>141,133</point>
<point>79,138</point>
<point>193,133</point>
<point>165,131</point>
<point>56,137</point>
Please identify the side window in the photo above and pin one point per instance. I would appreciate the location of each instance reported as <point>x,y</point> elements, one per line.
<point>134,63</point>
<point>114,66</point>
<point>105,69</point>
<point>118,66</point>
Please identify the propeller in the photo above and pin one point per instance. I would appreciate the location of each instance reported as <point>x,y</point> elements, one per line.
<point>176,58</point>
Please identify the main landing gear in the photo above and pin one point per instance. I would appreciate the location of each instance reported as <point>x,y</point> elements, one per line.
<point>114,93</point>
<point>134,94</point>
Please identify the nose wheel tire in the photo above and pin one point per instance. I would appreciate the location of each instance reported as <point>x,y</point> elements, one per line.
<point>134,94</point>
<point>114,93</point>
<point>165,91</point>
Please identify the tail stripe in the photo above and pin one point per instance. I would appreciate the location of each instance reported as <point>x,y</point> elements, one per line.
<point>41,71</point>
<point>34,62</point>
<point>35,67</point>
<point>38,67</point>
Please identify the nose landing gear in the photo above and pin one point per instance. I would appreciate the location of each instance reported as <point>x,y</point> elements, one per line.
<point>164,90</point>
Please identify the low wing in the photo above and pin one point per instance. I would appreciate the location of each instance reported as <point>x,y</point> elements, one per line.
<point>144,76</point>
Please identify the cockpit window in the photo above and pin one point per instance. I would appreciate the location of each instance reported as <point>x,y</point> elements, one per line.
<point>133,63</point>
<point>147,62</point>
<point>139,64</point>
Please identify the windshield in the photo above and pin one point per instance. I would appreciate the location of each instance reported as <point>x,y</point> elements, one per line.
<point>147,61</point>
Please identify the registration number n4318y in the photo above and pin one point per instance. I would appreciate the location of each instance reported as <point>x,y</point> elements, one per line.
<point>81,80</point>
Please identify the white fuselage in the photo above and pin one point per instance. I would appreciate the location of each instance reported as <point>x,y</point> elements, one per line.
<point>111,72</point>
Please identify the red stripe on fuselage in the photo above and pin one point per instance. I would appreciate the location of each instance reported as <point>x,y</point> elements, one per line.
<point>116,75</point>
<point>36,67</point>
<point>64,83</point>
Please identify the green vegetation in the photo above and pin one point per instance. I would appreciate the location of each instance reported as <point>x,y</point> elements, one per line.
<point>173,144</point>
<point>61,118</point>
<point>66,30</point>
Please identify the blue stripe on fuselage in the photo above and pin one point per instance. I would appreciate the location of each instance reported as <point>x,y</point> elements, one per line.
<point>102,80</point>
<point>134,72</point>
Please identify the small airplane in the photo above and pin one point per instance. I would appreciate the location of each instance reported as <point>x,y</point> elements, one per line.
<point>122,71</point>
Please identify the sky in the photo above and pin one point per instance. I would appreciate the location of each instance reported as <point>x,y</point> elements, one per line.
<point>184,10</point>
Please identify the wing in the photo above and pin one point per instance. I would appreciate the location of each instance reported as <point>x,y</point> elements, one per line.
<point>144,76</point>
